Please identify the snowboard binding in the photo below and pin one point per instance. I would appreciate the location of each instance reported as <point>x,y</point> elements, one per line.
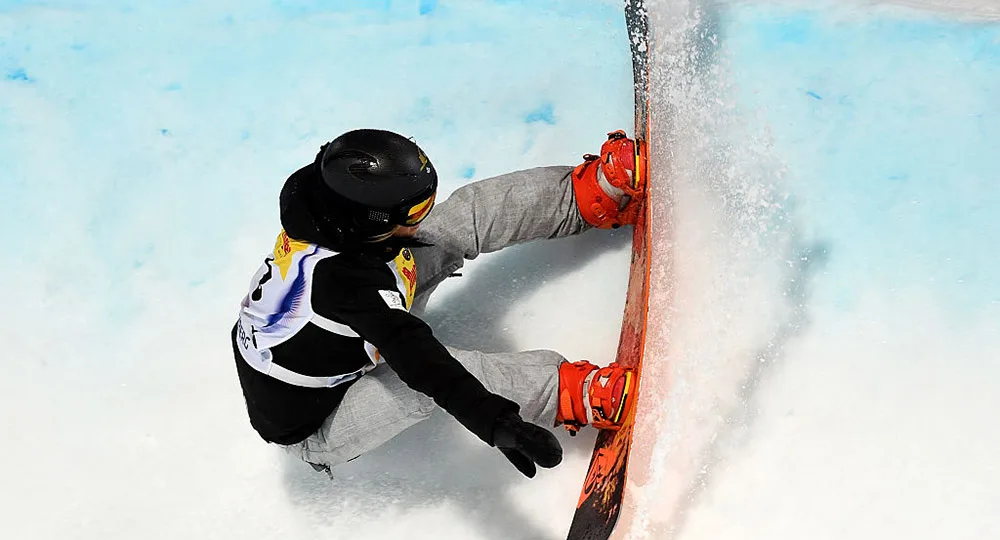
<point>600,397</point>
<point>610,188</point>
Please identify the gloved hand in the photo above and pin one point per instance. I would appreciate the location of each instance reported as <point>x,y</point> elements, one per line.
<point>524,444</point>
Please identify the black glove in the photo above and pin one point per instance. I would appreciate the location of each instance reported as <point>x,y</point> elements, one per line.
<point>526,444</point>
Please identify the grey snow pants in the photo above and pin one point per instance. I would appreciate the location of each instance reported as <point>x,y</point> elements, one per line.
<point>481,217</point>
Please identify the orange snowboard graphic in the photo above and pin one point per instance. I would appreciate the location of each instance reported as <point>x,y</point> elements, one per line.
<point>601,498</point>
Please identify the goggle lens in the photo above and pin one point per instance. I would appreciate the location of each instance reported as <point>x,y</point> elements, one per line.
<point>419,211</point>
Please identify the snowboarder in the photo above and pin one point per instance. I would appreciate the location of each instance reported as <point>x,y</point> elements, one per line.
<point>331,354</point>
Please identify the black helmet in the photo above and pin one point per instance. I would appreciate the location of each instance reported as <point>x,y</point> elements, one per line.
<point>369,182</point>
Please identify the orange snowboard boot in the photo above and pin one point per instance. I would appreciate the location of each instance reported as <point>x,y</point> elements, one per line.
<point>610,188</point>
<point>601,397</point>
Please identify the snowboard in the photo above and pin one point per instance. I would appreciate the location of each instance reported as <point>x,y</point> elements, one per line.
<point>603,490</point>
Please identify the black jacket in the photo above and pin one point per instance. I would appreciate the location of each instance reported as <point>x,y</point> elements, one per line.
<point>345,289</point>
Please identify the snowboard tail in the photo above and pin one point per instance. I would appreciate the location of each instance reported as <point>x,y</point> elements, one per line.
<point>603,490</point>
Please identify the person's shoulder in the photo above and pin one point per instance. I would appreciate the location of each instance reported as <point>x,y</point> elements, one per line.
<point>355,267</point>
<point>348,279</point>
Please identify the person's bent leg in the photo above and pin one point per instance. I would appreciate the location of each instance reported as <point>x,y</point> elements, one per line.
<point>552,391</point>
<point>380,406</point>
<point>494,213</point>
<point>605,191</point>
<point>376,408</point>
<point>549,390</point>
<point>528,378</point>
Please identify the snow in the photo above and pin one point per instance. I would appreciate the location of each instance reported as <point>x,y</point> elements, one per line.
<point>832,329</point>
<point>826,368</point>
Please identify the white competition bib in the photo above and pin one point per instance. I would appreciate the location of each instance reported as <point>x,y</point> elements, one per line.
<point>278,306</point>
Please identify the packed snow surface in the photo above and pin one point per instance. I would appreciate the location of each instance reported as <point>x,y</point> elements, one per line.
<point>826,305</point>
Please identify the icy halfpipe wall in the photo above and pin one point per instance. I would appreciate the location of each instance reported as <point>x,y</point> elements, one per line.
<point>823,309</point>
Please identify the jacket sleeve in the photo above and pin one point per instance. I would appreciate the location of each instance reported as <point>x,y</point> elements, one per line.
<point>409,347</point>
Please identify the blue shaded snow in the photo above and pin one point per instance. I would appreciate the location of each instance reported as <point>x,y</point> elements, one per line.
<point>427,6</point>
<point>19,74</point>
<point>894,156</point>
<point>545,113</point>
<point>154,104</point>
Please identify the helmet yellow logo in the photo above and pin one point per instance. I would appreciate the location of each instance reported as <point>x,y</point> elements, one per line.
<point>423,159</point>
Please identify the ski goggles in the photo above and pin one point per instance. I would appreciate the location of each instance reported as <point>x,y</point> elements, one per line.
<point>419,211</point>
<point>406,215</point>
